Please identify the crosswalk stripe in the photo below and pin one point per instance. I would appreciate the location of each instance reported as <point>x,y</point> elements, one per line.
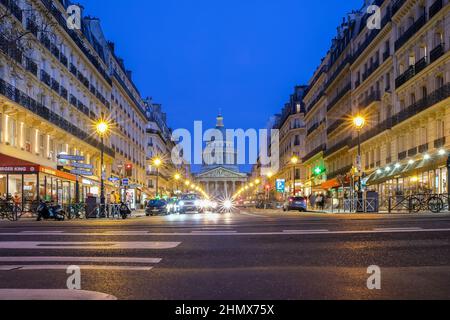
<point>64,267</point>
<point>32,245</point>
<point>82,259</point>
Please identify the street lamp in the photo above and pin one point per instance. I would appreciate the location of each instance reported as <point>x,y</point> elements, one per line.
<point>177,178</point>
<point>359,122</point>
<point>102,129</point>
<point>294,161</point>
<point>157,162</point>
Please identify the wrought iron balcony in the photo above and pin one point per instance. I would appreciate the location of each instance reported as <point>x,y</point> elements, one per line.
<point>436,53</point>
<point>435,8</point>
<point>423,148</point>
<point>339,96</point>
<point>439,143</point>
<point>42,111</point>
<point>416,26</point>
<point>340,145</point>
<point>316,151</point>
<point>32,27</point>
<point>372,97</point>
<point>45,77</point>
<point>31,66</point>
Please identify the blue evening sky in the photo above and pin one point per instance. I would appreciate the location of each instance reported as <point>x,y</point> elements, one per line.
<point>242,56</point>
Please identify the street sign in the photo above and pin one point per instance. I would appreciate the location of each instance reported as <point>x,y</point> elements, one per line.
<point>359,163</point>
<point>135,186</point>
<point>113,179</point>
<point>281,185</point>
<point>82,166</point>
<point>69,157</point>
<point>81,173</point>
<point>125,182</point>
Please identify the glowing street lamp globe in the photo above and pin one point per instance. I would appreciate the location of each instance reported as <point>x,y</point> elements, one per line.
<point>359,122</point>
<point>102,127</point>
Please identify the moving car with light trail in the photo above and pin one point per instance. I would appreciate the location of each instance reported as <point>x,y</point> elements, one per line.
<point>190,203</point>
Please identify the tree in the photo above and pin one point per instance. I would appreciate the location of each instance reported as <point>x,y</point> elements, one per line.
<point>18,39</point>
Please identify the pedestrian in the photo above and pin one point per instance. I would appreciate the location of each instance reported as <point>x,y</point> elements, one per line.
<point>112,198</point>
<point>312,200</point>
<point>16,199</point>
<point>320,202</point>
<point>117,196</point>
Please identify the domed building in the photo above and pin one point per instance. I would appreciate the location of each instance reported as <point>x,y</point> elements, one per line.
<point>220,176</point>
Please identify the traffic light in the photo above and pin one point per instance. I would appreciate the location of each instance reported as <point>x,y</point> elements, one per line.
<point>129,170</point>
<point>268,187</point>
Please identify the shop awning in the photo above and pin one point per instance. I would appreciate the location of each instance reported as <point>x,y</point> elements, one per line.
<point>330,184</point>
<point>404,170</point>
<point>11,165</point>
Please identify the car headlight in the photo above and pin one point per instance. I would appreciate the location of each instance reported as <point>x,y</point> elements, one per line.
<point>213,205</point>
<point>198,203</point>
<point>181,204</point>
<point>227,204</point>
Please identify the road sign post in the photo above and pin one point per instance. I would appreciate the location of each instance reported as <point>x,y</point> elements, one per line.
<point>281,186</point>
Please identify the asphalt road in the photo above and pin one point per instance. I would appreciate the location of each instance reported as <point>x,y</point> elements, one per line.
<point>241,256</point>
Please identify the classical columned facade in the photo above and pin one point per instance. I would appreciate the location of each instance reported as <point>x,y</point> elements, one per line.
<point>221,182</point>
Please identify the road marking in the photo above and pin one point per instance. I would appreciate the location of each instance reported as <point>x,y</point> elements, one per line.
<point>150,245</point>
<point>398,229</point>
<point>306,231</point>
<point>38,232</point>
<point>30,294</point>
<point>65,267</point>
<point>214,231</point>
<point>82,259</point>
<point>179,234</point>
<point>251,214</point>
<point>8,268</point>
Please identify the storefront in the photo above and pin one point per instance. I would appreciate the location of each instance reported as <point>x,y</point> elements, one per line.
<point>421,177</point>
<point>31,182</point>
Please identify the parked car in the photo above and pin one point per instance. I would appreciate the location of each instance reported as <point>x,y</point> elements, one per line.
<point>156,207</point>
<point>191,203</point>
<point>296,204</point>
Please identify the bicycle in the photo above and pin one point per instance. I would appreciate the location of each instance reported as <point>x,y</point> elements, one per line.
<point>10,211</point>
<point>76,211</point>
<point>433,203</point>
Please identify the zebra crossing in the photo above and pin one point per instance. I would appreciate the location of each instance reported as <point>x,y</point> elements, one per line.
<point>54,254</point>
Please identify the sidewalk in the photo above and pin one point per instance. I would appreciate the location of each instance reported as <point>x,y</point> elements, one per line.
<point>336,212</point>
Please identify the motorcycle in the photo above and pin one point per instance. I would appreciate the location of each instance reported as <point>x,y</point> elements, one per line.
<point>50,212</point>
<point>124,211</point>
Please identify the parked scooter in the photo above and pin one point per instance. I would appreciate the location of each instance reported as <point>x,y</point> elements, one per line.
<point>124,211</point>
<point>50,212</point>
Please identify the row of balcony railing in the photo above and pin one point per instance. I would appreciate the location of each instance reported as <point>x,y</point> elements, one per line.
<point>76,38</point>
<point>420,65</point>
<point>433,10</point>
<point>16,54</point>
<point>414,109</point>
<point>347,88</point>
<point>21,98</point>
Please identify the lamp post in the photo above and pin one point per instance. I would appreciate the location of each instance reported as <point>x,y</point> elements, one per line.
<point>448,181</point>
<point>359,122</point>
<point>177,178</point>
<point>157,162</point>
<point>102,128</point>
<point>294,161</point>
